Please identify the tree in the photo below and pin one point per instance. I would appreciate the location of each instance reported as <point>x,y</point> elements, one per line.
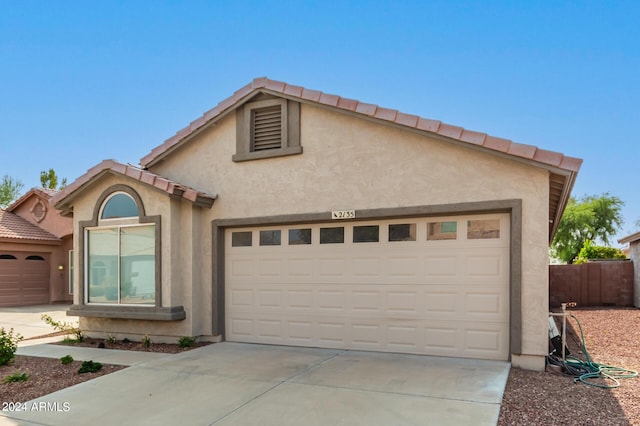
<point>9,190</point>
<point>589,251</point>
<point>594,218</point>
<point>50,180</point>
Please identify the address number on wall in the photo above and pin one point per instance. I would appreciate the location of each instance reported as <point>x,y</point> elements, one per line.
<point>343,214</point>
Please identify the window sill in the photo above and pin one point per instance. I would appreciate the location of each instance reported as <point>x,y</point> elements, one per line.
<point>268,153</point>
<point>152,313</point>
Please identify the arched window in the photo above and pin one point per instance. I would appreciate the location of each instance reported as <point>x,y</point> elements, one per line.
<point>120,253</point>
<point>119,205</point>
<point>34,257</point>
<point>7,257</point>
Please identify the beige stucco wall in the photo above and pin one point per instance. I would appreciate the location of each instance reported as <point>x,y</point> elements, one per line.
<point>178,271</point>
<point>351,163</point>
<point>348,163</point>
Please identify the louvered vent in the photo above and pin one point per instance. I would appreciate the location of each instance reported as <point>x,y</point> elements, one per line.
<point>267,128</point>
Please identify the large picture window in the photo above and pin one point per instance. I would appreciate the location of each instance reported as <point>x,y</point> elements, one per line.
<point>120,255</point>
<point>122,265</point>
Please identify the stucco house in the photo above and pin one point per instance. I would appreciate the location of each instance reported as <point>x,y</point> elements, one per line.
<point>35,241</point>
<point>633,252</point>
<point>289,216</point>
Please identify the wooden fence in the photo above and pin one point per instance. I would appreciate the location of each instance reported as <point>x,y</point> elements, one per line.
<point>600,283</point>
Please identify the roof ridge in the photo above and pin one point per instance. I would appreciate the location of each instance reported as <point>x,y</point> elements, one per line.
<point>492,143</point>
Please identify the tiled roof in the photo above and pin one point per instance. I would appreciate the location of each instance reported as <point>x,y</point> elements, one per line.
<point>156,181</point>
<point>45,193</point>
<point>491,143</point>
<point>13,226</point>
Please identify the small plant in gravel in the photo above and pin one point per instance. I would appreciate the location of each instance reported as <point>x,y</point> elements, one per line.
<point>146,341</point>
<point>67,359</point>
<point>111,339</point>
<point>186,341</point>
<point>16,377</point>
<point>89,367</point>
<point>64,327</point>
<point>8,345</point>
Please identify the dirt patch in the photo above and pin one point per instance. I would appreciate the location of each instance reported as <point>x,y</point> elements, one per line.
<point>127,345</point>
<point>46,375</point>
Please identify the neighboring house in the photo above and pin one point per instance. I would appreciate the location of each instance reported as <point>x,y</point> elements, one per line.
<point>633,252</point>
<point>35,241</point>
<point>290,216</point>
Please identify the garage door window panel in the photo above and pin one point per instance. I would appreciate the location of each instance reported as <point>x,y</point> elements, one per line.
<point>332,235</point>
<point>299,236</point>
<point>437,231</point>
<point>366,234</point>
<point>483,229</point>
<point>241,239</point>
<point>270,238</point>
<point>402,232</point>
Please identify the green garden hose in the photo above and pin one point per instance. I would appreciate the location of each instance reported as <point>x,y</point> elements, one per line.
<point>583,371</point>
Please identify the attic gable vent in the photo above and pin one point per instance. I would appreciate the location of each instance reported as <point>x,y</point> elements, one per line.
<point>266,128</point>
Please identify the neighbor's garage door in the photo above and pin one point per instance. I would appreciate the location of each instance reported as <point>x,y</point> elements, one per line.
<point>24,279</point>
<point>436,286</point>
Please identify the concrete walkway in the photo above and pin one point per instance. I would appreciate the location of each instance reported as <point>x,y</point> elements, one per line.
<point>106,356</point>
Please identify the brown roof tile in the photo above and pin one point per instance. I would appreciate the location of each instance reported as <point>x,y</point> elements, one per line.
<point>476,138</point>
<point>450,131</point>
<point>293,90</point>
<point>522,150</point>
<point>348,104</point>
<point>386,114</point>
<point>407,119</point>
<point>367,109</point>
<point>329,99</point>
<point>497,144</point>
<point>428,125</point>
<point>13,226</point>
<point>144,176</point>
<point>311,95</point>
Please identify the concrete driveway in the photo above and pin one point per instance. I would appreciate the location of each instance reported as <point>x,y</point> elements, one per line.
<point>246,384</point>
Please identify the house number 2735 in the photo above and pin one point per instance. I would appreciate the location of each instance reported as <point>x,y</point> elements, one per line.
<point>343,214</point>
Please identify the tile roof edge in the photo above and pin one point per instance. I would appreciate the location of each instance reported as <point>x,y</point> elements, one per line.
<point>136,173</point>
<point>467,136</point>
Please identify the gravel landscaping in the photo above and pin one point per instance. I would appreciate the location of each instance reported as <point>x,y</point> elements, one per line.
<point>612,336</point>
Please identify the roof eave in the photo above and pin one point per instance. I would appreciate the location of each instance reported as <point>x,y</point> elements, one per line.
<point>630,238</point>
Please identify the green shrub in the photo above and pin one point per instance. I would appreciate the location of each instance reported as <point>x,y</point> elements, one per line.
<point>16,377</point>
<point>89,367</point>
<point>146,341</point>
<point>186,341</point>
<point>111,339</point>
<point>65,327</point>
<point>589,251</point>
<point>67,359</point>
<point>8,345</point>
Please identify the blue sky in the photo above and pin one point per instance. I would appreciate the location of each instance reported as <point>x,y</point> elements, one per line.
<point>84,81</point>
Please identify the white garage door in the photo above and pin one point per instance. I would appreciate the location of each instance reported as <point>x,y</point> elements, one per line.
<point>436,286</point>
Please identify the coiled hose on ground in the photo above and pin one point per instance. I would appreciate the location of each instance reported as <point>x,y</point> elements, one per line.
<point>587,370</point>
